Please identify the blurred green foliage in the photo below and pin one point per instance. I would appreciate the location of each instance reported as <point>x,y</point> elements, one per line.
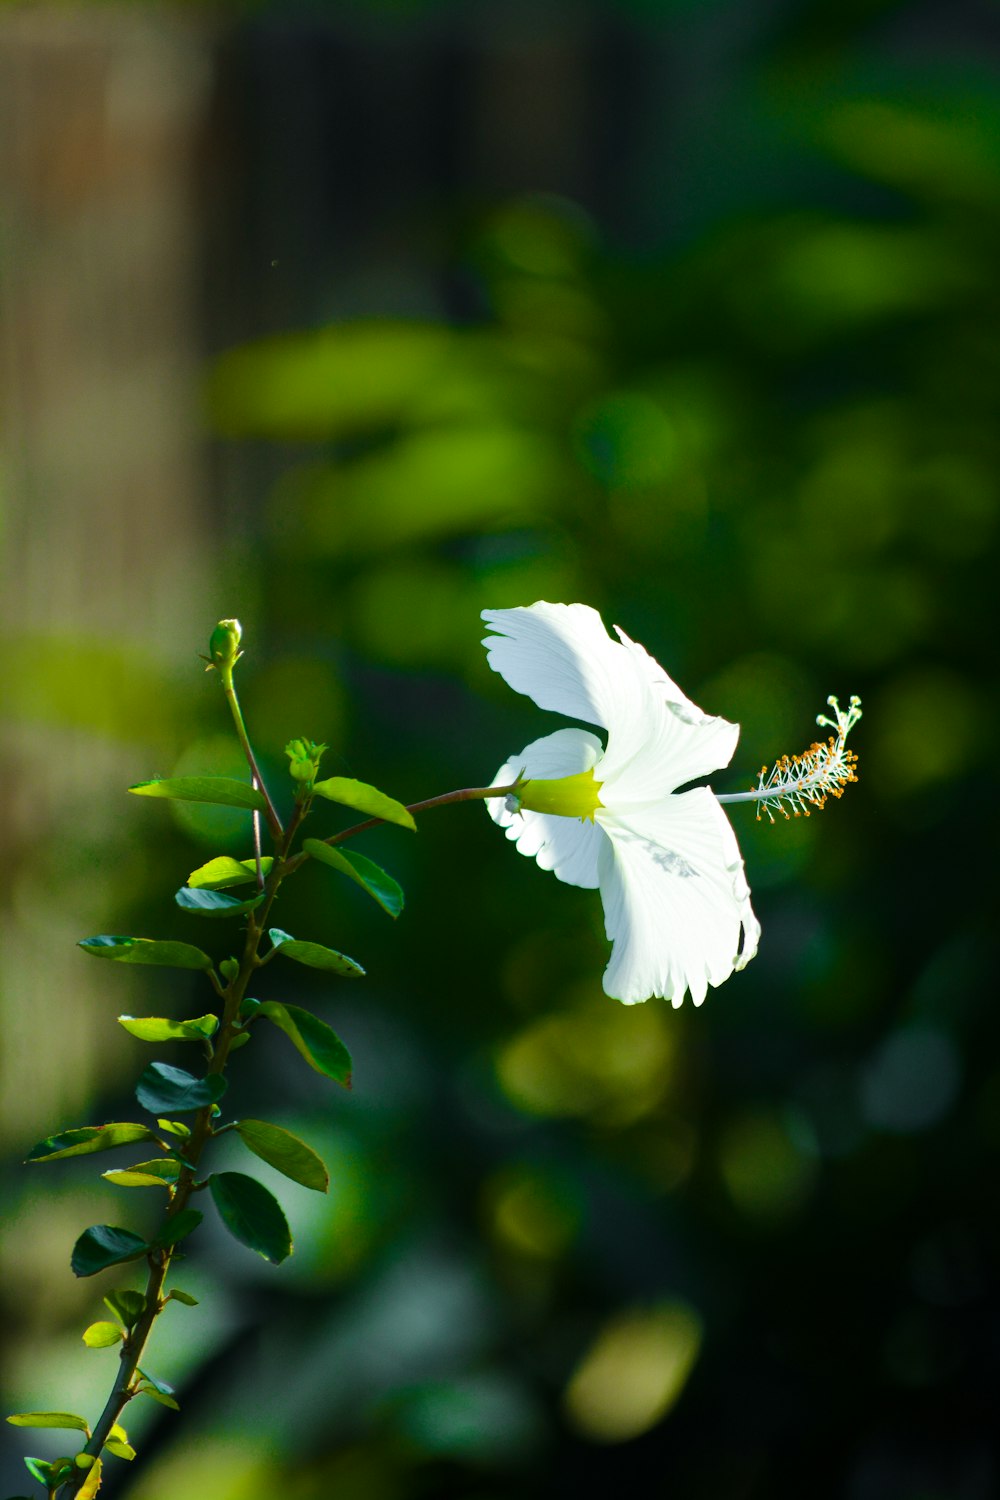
<point>569,1244</point>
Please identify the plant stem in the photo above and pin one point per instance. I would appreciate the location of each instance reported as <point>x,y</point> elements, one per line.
<point>229,688</point>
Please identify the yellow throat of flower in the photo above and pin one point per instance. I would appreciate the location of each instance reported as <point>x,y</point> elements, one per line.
<point>568,796</point>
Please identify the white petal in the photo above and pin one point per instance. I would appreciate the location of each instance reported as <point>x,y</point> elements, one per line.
<point>569,847</point>
<point>684,738</point>
<point>675,898</point>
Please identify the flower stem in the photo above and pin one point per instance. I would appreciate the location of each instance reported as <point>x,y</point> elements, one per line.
<point>229,688</point>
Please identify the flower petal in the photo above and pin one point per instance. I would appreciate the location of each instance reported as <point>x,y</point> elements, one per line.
<point>675,898</point>
<point>569,847</point>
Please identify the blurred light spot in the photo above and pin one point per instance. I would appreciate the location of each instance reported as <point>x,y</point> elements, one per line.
<point>486,1417</point>
<point>923,729</point>
<point>627,439</point>
<point>292,697</point>
<point>634,1372</point>
<point>410,614</point>
<point>531,1212</point>
<point>955,157</point>
<point>595,1059</point>
<point>223,827</point>
<point>766,1170</point>
<point>542,236</point>
<point>912,1080</point>
<point>227,1468</point>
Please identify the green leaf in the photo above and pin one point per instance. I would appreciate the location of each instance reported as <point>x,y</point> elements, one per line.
<point>318,1043</point>
<point>283,1150</point>
<point>88,1138</point>
<point>102,1335</point>
<point>223,791</point>
<point>40,1470</point>
<point>183,1297</point>
<point>103,1245</point>
<point>225,871</point>
<point>117,1443</point>
<point>129,1306</point>
<point>92,1483</point>
<point>158,1389</point>
<point>160,1173</point>
<point>131,950</point>
<point>179,1227</point>
<point>164,1087</point>
<point>175,1127</point>
<point>365,799</point>
<point>314,955</point>
<point>160,1029</point>
<point>251,1214</point>
<point>147,1390</point>
<point>368,875</point>
<point>214,903</point>
<point>63,1419</point>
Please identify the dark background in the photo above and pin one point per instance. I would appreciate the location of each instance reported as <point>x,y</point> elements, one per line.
<point>353,320</point>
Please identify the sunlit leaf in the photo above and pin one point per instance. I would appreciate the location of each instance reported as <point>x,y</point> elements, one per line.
<point>103,1245</point>
<point>40,1470</point>
<point>286,1152</point>
<point>175,1127</point>
<point>318,1043</point>
<point>214,903</point>
<point>164,1087</point>
<point>183,1297</point>
<point>225,871</point>
<point>87,1139</point>
<point>102,1335</point>
<point>161,1173</point>
<point>314,955</point>
<point>63,1419</point>
<point>92,1483</point>
<point>117,1443</point>
<point>223,791</point>
<point>368,875</point>
<point>158,1389</point>
<point>132,950</point>
<point>366,799</point>
<point>251,1214</point>
<point>161,1029</point>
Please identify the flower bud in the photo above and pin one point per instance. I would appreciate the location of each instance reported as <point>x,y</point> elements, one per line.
<point>303,759</point>
<point>224,645</point>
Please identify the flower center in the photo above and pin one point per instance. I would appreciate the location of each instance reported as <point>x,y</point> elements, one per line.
<point>568,796</point>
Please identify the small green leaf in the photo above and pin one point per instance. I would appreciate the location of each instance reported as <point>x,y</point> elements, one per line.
<point>364,872</point>
<point>283,1150</point>
<point>365,799</point>
<point>175,1127</point>
<point>117,1443</point>
<point>164,1087</point>
<point>224,871</point>
<point>314,955</point>
<point>205,903</point>
<point>249,1007</point>
<point>144,1389</point>
<point>158,1389</point>
<point>88,1138</point>
<point>239,1040</point>
<point>161,1029</point>
<point>63,1419</point>
<point>179,1227</point>
<point>102,1335</point>
<point>103,1245</point>
<point>129,1306</point>
<point>40,1470</point>
<point>223,791</point>
<point>251,1214</point>
<point>184,1297</point>
<point>318,1043</point>
<point>132,950</point>
<point>161,1173</point>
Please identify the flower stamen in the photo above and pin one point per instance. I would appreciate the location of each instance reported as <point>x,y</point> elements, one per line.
<point>797,783</point>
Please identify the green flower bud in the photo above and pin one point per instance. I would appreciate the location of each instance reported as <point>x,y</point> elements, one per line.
<point>303,759</point>
<point>249,1007</point>
<point>224,645</point>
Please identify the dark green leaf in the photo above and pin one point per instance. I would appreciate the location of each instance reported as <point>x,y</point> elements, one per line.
<point>161,1173</point>
<point>88,1138</point>
<point>364,799</point>
<point>179,1227</point>
<point>224,871</point>
<point>102,1335</point>
<point>224,791</point>
<point>251,1214</point>
<point>131,950</point>
<point>129,1306</point>
<point>318,1043</point>
<point>283,1150</point>
<point>40,1470</point>
<point>62,1419</point>
<point>160,1029</point>
<point>368,875</point>
<point>103,1245</point>
<point>314,955</point>
<point>214,903</point>
<point>164,1087</point>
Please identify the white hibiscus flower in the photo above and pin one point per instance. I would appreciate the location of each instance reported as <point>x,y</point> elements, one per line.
<point>676,901</point>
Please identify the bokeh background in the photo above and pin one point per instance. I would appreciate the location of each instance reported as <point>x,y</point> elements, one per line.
<point>352,320</point>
